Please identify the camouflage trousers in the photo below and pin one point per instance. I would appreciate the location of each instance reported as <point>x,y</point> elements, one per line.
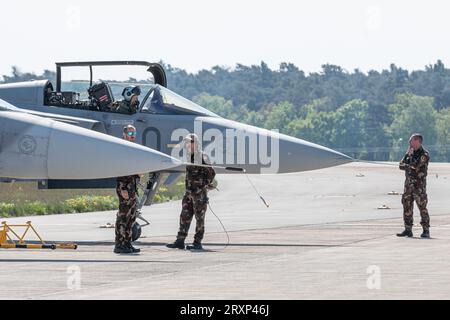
<point>193,205</point>
<point>419,195</point>
<point>125,220</point>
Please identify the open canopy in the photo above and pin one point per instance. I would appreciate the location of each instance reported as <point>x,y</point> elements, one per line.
<point>155,69</point>
<point>161,100</point>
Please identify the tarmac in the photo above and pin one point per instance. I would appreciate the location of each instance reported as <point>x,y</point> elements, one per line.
<point>328,234</point>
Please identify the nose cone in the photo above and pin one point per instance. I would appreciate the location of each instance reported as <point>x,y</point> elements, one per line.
<point>263,151</point>
<point>300,155</point>
<point>77,153</point>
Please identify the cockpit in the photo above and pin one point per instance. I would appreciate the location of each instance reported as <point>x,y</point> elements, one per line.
<point>103,95</point>
<point>160,100</point>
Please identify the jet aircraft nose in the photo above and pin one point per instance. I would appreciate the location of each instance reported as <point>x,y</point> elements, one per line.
<point>300,155</point>
<point>263,151</point>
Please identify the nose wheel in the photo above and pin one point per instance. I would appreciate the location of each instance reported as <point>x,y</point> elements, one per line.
<point>136,231</point>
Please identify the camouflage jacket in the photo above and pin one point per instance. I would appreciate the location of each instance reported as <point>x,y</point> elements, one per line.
<point>129,184</point>
<point>415,167</point>
<point>198,178</point>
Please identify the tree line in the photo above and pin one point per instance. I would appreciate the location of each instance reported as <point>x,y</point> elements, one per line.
<point>366,115</point>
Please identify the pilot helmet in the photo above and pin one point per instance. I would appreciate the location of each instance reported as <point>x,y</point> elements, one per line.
<point>129,91</point>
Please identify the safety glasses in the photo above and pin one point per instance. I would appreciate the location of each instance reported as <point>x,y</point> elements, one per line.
<point>131,134</point>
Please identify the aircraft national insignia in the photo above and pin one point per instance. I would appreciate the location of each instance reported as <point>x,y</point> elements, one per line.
<point>27,145</point>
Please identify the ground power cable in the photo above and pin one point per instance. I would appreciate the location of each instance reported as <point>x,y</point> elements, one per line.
<point>254,188</point>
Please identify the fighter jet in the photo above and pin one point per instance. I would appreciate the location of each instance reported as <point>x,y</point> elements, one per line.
<point>32,147</point>
<point>162,119</point>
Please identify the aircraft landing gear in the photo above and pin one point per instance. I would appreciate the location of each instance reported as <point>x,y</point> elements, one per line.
<point>147,198</point>
<point>136,231</point>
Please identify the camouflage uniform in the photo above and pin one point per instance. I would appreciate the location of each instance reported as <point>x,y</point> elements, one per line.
<point>195,200</point>
<point>127,209</point>
<point>415,167</point>
<point>124,107</point>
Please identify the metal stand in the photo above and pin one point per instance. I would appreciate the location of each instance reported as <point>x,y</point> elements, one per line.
<point>10,239</point>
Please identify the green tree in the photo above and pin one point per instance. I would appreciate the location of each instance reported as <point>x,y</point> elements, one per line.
<point>350,127</point>
<point>410,114</point>
<point>280,116</point>
<point>317,127</point>
<point>442,152</point>
<point>218,105</point>
<point>255,118</point>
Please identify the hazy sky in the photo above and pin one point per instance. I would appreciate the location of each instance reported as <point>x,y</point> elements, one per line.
<point>196,34</point>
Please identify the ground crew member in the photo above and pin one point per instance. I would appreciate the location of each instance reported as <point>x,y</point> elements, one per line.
<point>130,102</point>
<point>415,165</point>
<point>126,190</point>
<point>195,201</point>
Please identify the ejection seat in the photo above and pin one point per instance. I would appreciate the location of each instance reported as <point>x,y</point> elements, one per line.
<point>101,96</point>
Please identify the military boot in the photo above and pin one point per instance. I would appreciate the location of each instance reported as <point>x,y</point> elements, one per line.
<point>133,249</point>
<point>122,249</point>
<point>178,244</point>
<point>425,234</point>
<point>195,246</point>
<point>406,233</point>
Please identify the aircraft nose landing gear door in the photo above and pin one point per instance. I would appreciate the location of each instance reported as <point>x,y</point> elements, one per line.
<point>148,191</point>
<point>151,138</point>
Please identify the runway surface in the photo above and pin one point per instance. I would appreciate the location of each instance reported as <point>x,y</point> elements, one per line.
<point>323,236</point>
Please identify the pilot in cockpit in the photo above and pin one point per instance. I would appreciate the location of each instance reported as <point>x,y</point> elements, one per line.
<point>130,102</point>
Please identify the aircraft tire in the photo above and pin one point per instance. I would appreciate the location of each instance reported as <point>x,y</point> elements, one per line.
<point>136,231</point>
